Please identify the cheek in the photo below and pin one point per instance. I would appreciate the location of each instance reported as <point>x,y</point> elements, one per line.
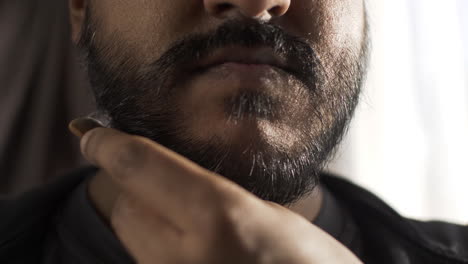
<point>328,24</point>
<point>332,27</point>
<point>144,28</point>
<point>347,23</point>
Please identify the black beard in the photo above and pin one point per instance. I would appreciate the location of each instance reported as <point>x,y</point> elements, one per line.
<point>124,91</point>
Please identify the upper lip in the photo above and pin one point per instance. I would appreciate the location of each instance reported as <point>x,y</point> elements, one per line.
<point>245,55</point>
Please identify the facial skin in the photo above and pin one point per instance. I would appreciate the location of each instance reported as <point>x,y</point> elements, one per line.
<point>257,91</point>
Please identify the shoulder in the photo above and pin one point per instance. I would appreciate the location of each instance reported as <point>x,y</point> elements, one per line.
<point>446,237</point>
<point>25,219</point>
<point>422,240</point>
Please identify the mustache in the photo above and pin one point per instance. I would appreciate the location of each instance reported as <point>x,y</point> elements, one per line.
<point>250,33</point>
<point>172,67</point>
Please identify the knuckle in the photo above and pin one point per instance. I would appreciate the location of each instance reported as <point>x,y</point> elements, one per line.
<point>230,206</point>
<point>232,215</point>
<point>129,156</point>
<point>235,222</point>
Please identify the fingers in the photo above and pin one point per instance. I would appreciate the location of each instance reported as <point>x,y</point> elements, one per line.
<point>155,175</point>
<point>82,125</point>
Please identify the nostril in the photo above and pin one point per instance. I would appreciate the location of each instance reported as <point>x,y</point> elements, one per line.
<point>223,7</point>
<point>276,11</point>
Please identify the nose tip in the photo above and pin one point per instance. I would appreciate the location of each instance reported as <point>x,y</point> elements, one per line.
<point>262,9</point>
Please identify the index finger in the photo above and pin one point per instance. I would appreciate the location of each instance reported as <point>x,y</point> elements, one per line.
<point>157,176</point>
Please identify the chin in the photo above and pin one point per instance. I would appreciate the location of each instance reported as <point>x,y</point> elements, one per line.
<point>240,133</point>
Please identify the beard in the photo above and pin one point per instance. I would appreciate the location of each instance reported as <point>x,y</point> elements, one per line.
<point>143,99</point>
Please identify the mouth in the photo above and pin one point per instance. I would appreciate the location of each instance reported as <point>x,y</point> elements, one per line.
<point>245,58</point>
<point>239,83</point>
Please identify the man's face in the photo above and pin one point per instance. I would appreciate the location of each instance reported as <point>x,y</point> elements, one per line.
<point>258,91</point>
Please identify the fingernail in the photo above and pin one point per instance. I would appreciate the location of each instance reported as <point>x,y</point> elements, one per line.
<point>80,126</point>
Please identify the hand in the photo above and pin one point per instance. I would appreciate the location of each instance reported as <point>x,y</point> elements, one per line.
<point>171,210</point>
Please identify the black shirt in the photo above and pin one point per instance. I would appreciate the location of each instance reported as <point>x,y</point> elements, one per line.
<point>52,225</point>
<point>81,235</point>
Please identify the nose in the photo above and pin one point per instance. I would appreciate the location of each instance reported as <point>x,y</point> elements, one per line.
<point>259,9</point>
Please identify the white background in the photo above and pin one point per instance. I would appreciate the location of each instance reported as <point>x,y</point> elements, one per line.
<point>409,140</point>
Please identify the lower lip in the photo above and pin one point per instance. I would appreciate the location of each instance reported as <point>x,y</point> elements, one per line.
<point>242,70</point>
<point>228,78</point>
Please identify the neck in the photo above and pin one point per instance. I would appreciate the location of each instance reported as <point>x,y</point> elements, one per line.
<point>103,192</point>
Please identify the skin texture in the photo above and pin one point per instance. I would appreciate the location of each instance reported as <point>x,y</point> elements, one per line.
<point>260,99</point>
<point>177,209</point>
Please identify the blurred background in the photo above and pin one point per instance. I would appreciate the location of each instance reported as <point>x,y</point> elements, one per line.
<point>407,143</point>
<point>409,140</point>
<point>42,88</point>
